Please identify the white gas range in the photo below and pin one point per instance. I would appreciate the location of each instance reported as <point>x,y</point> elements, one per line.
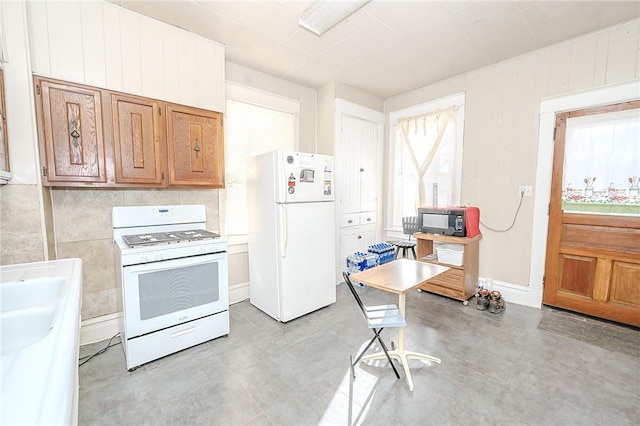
<point>173,277</point>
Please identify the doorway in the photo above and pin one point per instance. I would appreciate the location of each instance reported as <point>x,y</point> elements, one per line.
<point>592,260</point>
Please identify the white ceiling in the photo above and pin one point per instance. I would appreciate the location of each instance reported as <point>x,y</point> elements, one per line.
<point>387,47</point>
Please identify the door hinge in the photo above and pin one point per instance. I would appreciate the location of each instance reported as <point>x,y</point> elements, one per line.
<point>555,131</point>
<point>544,278</point>
<point>549,209</point>
<point>159,111</point>
<point>44,172</point>
<point>38,89</point>
<point>162,175</point>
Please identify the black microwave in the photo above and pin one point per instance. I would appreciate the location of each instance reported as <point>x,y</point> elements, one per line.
<point>447,221</point>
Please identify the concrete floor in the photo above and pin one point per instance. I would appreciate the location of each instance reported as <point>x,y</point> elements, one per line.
<point>497,369</point>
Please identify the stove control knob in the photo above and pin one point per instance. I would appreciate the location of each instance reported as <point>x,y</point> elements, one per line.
<point>159,256</point>
<point>208,248</point>
<point>144,258</point>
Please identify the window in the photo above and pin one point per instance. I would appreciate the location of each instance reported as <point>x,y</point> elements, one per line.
<point>255,122</point>
<point>425,163</point>
<point>601,172</point>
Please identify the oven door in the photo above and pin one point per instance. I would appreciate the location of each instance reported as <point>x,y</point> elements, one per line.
<point>163,294</point>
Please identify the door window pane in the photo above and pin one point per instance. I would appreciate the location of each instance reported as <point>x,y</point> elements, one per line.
<point>602,164</point>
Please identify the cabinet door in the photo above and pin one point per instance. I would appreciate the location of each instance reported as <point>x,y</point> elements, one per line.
<point>137,127</point>
<point>348,168</point>
<point>71,127</point>
<point>4,143</point>
<point>367,236</point>
<point>358,164</point>
<point>349,244</point>
<point>370,164</point>
<point>195,146</point>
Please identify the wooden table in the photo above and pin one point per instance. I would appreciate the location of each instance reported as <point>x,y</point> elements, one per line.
<point>400,277</point>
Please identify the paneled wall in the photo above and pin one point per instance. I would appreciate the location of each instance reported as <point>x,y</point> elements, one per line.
<point>115,48</point>
<point>501,131</point>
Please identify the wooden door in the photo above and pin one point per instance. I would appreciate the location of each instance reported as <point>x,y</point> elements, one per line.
<point>70,120</point>
<point>4,142</point>
<point>137,136</point>
<point>195,144</point>
<point>593,245</point>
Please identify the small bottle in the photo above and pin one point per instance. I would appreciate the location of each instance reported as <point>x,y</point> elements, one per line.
<point>435,194</point>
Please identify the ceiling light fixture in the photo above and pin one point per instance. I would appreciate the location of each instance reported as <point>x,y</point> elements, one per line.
<point>326,14</point>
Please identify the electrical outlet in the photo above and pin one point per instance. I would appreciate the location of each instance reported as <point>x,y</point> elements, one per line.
<point>525,190</point>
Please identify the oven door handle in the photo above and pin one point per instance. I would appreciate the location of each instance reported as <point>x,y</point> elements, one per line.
<point>163,265</point>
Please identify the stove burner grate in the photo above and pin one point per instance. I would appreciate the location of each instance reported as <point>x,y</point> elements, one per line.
<point>174,237</point>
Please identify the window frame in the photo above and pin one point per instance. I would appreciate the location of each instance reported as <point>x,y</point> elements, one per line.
<point>264,99</point>
<point>455,100</point>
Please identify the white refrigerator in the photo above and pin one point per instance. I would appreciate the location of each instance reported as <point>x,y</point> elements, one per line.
<point>291,221</point>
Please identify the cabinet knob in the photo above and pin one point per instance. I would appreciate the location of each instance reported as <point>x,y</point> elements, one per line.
<point>359,237</point>
<point>196,148</point>
<point>350,221</point>
<point>361,169</point>
<point>368,219</point>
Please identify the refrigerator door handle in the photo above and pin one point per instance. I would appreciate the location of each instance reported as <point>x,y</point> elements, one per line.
<point>283,231</point>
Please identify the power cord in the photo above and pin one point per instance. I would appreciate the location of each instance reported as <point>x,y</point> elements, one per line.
<point>515,216</point>
<point>100,352</point>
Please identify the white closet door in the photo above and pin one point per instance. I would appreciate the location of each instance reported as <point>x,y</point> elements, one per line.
<point>370,165</point>
<point>348,164</point>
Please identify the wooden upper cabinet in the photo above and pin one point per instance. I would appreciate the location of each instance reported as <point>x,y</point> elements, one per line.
<point>70,124</point>
<point>97,137</point>
<point>137,132</point>
<point>195,145</point>
<point>4,142</point>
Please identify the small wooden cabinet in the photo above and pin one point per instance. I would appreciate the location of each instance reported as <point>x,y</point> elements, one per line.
<point>459,282</point>
<point>71,128</point>
<point>196,148</point>
<point>96,137</point>
<point>137,132</point>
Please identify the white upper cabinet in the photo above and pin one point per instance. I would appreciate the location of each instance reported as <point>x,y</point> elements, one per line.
<point>358,152</point>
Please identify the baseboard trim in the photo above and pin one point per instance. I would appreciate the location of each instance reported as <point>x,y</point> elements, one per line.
<point>99,328</point>
<point>526,296</point>
<point>238,292</point>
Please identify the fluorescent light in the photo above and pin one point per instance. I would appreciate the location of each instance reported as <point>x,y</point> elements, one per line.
<point>326,14</point>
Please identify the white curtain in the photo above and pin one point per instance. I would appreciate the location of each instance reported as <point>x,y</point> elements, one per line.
<point>602,155</point>
<point>422,136</point>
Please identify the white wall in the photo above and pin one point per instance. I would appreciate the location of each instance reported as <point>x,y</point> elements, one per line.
<point>19,96</point>
<point>104,45</point>
<point>22,233</point>
<point>501,133</point>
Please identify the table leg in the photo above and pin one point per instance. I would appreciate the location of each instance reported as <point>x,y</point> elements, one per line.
<point>400,354</point>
